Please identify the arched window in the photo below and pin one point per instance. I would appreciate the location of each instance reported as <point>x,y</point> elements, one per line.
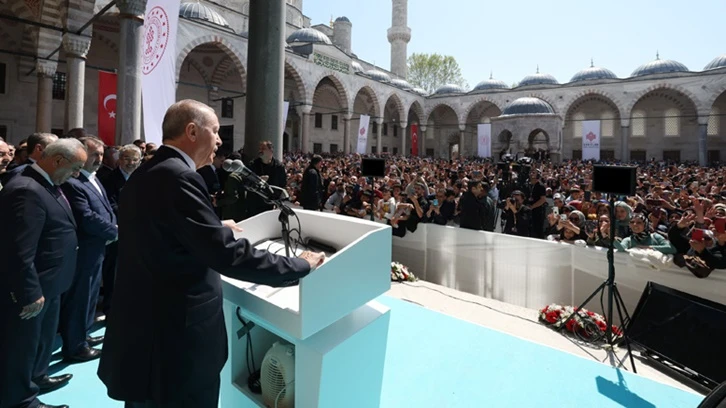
<point>638,123</point>
<point>607,124</point>
<point>577,125</point>
<point>714,120</point>
<point>672,122</point>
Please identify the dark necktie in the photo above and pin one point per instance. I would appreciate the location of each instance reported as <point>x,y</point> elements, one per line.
<point>60,193</point>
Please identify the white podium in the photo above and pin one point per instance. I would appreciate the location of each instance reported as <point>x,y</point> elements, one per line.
<point>339,332</point>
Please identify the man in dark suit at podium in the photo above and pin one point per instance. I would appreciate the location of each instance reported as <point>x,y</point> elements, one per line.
<point>96,228</point>
<point>38,251</point>
<point>166,341</point>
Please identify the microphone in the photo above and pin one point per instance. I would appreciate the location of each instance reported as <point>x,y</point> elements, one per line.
<point>253,181</point>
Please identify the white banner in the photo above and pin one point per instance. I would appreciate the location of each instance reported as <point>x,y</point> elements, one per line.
<point>285,108</point>
<point>363,134</point>
<point>591,140</point>
<point>157,64</point>
<point>484,139</point>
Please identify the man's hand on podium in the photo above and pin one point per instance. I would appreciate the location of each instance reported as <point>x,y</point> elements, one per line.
<point>231,225</point>
<point>315,259</point>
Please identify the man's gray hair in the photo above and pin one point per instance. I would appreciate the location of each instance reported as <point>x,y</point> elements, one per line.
<point>67,148</point>
<point>130,148</point>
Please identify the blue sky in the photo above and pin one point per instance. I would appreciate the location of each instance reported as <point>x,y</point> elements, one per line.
<point>511,38</point>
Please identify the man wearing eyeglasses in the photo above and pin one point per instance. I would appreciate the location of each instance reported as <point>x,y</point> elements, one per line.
<point>39,248</point>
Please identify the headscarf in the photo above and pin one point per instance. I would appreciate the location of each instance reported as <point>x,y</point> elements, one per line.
<point>643,235</point>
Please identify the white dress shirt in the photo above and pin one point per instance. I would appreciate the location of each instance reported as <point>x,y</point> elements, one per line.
<point>92,178</point>
<point>185,156</point>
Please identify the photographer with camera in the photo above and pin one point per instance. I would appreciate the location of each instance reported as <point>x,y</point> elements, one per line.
<point>517,216</point>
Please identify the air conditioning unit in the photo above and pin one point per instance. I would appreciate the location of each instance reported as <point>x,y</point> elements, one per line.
<point>277,376</point>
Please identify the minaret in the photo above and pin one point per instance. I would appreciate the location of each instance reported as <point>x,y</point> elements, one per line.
<point>399,35</point>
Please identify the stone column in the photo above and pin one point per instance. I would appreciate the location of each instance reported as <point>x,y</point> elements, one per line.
<point>703,141</point>
<point>346,132</point>
<point>379,136</point>
<point>76,48</point>
<point>404,127</point>
<point>265,74</point>
<point>128,100</point>
<point>462,129</point>
<point>304,112</point>
<point>422,141</point>
<point>624,141</point>
<point>44,109</point>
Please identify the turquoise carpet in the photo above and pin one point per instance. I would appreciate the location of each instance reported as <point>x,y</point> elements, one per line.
<point>437,361</point>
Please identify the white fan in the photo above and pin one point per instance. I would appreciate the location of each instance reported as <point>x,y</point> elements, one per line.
<point>277,376</point>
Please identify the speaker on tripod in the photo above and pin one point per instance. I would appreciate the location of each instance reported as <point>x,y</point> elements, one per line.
<point>613,181</point>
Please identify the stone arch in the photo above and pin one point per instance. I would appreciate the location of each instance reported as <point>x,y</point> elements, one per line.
<point>199,69</point>
<point>399,106</point>
<point>27,9</point>
<point>219,75</point>
<point>324,88</point>
<point>418,110</point>
<point>76,13</point>
<point>292,68</point>
<point>434,107</point>
<point>546,99</point>
<point>531,139</point>
<point>51,11</point>
<point>225,45</point>
<point>665,86</point>
<point>339,85</point>
<point>712,99</point>
<point>585,93</point>
<point>467,111</point>
<point>375,100</point>
<point>105,41</point>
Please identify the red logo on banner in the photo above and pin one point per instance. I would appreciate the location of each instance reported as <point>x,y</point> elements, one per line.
<point>363,131</point>
<point>590,136</point>
<point>155,39</point>
<point>107,107</point>
<point>414,140</point>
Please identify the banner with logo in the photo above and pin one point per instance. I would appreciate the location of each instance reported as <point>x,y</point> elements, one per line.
<point>107,107</point>
<point>484,139</point>
<point>591,140</point>
<point>414,140</point>
<point>285,107</point>
<point>363,134</point>
<point>158,64</point>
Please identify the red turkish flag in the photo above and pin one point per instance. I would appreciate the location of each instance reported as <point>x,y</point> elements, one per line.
<point>414,140</point>
<point>107,107</point>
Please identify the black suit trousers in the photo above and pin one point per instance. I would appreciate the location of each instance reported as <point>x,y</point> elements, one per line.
<point>204,397</point>
<point>25,352</point>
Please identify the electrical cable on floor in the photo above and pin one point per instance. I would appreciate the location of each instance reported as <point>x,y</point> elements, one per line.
<point>573,341</point>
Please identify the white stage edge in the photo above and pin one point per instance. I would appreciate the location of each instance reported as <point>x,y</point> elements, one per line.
<point>339,332</point>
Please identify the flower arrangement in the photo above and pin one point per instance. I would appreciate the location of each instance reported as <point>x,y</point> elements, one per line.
<point>587,325</point>
<point>400,273</point>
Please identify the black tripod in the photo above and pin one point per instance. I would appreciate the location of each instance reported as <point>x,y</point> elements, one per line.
<point>613,295</point>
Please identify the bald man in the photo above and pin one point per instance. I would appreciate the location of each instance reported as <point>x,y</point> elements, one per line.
<point>166,340</point>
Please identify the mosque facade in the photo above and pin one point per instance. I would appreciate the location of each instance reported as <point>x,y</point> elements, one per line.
<point>50,59</point>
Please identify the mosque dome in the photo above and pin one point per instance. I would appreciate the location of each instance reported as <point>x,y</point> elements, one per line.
<point>357,67</point>
<point>342,20</point>
<point>593,72</point>
<point>420,91</point>
<point>528,106</point>
<point>450,89</point>
<point>538,79</point>
<point>659,66</point>
<point>718,62</point>
<point>491,83</point>
<point>377,75</point>
<point>198,11</point>
<point>400,83</point>
<point>308,35</point>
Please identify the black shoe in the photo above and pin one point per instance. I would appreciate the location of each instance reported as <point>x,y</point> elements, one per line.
<point>41,405</point>
<point>48,384</point>
<point>86,354</point>
<point>94,341</point>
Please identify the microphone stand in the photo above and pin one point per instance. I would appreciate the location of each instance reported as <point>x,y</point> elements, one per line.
<point>284,218</point>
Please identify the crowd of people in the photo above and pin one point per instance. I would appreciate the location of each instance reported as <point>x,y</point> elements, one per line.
<point>61,201</point>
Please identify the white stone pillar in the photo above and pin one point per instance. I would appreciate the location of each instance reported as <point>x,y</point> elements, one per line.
<point>624,141</point>
<point>76,48</point>
<point>404,127</point>
<point>45,70</point>
<point>128,100</point>
<point>703,140</point>
<point>304,112</point>
<point>379,136</point>
<point>462,138</point>
<point>346,133</point>
<point>422,141</point>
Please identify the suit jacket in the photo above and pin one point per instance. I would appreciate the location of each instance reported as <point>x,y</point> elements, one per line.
<point>277,177</point>
<point>38,244</point>
<point>209,174</point>
<point>104,171</point>
<point>15,171</point>
<point>167,331</point>
<point>95,219</point>
<point>113,183</point>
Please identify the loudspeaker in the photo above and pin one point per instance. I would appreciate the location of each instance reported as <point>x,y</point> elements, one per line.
<point>373,167</point>
<point>618,180</point>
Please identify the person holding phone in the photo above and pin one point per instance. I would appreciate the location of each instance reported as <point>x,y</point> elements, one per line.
<point>642,237</point>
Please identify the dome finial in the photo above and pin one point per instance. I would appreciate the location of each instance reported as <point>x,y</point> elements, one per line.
<point>592,63</point>
<point>538,68</point>
<point>332,23</point>
<point>491,74</point>
<point>657,55</point>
